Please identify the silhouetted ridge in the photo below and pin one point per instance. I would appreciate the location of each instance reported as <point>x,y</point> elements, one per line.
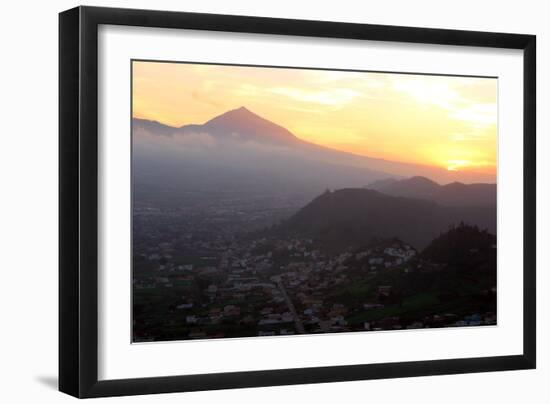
<point>453,194</point>
<point>154,127</point>
<point>353,216</point>
<point>243,122</point>
<point>460,243</point>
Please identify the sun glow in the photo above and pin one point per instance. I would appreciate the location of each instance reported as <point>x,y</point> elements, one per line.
<point>456,165</point>
<point>437,121</point>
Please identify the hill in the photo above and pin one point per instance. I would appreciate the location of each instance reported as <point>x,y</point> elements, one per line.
<point>453,194</point>
<point>352,217</point>
<point>461,242</point>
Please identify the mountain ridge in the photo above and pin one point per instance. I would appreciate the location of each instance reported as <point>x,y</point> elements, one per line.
<point>353,216</point>
<point>451,194</point>
<point>241,124</point>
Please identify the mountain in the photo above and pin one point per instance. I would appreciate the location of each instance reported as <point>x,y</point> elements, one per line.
<point>353,217</point>
<point>246,134</point>
<point>246,125</point>
<point>453,194</point>
<point>239,124</point>
<point>238,152</point>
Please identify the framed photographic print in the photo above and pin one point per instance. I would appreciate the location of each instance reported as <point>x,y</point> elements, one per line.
<point>251,201</point>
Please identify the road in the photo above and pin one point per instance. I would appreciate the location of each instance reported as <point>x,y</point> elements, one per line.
<point>298,323</point>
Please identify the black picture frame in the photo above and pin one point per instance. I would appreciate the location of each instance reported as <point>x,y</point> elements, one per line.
<point>78,201</point>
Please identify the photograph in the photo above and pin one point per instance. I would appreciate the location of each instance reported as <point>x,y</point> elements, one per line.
<point>245,202</point>
<point>276,201</point>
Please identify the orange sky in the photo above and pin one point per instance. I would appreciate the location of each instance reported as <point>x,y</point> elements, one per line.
<point>449,122</point>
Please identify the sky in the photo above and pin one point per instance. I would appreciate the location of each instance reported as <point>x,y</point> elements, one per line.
<point>441,121</point>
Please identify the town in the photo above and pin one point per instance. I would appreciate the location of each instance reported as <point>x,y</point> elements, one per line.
<point>199,276</point>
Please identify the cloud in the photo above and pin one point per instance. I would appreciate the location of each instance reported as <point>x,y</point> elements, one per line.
<point>247,90</point>
<point>467,137</point>
<point>457,96</point>
<point>200,97</point>
<point>176,140</point>
<point>427,90</point>
<point>481,115</point>
<point>198,140</point>
<point>334,97</point>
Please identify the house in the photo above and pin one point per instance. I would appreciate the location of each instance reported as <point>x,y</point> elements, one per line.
<point>268,321</point>
<point>197,334</point>
<point>287,317</point>
<point>231,310</point>
<point>384,290</point>
<point>376,261</point>
<point>370,306</point>
<point>266,310</point>
<point>325,325</point>
<point>338,321</point>
<point>248,319</point>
